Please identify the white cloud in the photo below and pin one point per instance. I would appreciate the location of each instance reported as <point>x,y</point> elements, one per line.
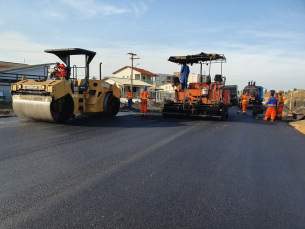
<point>91,8</point>
<point>139,8</point>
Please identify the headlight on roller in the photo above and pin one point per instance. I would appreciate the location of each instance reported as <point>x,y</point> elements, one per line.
<point>20,86</point>
<point>43,87</point>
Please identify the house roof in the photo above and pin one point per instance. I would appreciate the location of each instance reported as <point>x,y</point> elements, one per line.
<point>13,66</point>
<point>4,64</point>
<point>136,69</point>
<point>126,82</point>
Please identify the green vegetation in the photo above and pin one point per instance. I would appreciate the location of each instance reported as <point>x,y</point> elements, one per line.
<point>6,105</point>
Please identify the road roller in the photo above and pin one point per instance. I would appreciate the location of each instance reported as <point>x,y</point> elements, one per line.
<point>205,98</point>
<point>57,99</point>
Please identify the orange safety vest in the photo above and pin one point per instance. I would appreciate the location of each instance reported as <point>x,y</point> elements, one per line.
<point>144,95</point>
<point>129,95</point>
<point>62,72</point>
<point>246,98</point>
<point>281,100</point>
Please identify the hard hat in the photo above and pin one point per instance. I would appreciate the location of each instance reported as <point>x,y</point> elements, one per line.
<point>272,91</point>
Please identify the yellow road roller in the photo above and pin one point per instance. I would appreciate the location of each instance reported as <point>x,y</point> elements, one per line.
<point>57,99</point>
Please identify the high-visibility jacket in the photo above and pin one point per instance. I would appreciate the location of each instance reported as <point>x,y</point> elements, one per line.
<point>62,72</point>
<point>281,100</point>
<point>129,95</point>
<point>144,95</point>
<point>272,102</point>
<point>245,98</point>
<point>275,96</point>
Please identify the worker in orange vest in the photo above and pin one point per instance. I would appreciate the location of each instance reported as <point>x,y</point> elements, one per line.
<point>271,109</point>
<point>61,70</point>
<point>280,105</point>
<point>144,97</point>
<point>245,101</point>
<point>129,97</point>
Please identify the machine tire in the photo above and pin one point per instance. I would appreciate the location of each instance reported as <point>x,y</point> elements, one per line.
<point>111,105</point>
<point>62,109</point>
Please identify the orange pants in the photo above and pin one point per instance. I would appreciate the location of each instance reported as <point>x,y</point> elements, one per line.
<point>279,111</point>
<point>245,105</point>
<point>271,112</point>
<point>143,106</point>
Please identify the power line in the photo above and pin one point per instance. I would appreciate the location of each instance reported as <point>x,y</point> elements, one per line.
<point>132,58</point>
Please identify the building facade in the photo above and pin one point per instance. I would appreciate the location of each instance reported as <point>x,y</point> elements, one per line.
<point>138,74</point>
<point>13,72</point>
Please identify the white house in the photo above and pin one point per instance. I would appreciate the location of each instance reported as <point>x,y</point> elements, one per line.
<point>138,74</point>
<point>124,84</point>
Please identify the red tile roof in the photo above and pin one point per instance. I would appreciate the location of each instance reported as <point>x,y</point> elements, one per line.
<point>136,69</point>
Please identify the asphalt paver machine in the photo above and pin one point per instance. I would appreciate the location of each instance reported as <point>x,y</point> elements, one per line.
<point>205,98</point>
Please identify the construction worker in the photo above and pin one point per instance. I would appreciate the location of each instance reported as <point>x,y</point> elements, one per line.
<point>245,101</point>
<point>61,70</point>
<point>184,73</point>
<point>271,109</point>
<point>280,105</point>
<point>272,91</point>
<point>129,97</point>
<point>144,96</point>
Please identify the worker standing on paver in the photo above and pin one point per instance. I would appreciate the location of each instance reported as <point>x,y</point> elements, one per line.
<point>144,97</point>
<point>271,109</point>
<point>245,101</point>
<point>184,73</point>
<point>129,97</point>
<point>280,105</point>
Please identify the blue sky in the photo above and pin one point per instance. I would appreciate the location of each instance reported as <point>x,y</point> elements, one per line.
<point>263,41</point>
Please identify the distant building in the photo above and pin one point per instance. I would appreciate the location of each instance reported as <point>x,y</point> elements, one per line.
<point>167,87</point>
<point>163,78</point>
<point>124,85</point>
<point>13,72</point>
<point>138,74</point>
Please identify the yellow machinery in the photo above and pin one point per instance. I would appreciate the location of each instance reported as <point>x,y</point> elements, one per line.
<point>59,99</point>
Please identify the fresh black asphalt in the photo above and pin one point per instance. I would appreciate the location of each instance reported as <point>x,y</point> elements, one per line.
<point>153,172</point>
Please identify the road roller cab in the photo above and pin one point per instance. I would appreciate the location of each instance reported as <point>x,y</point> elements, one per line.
<point>59,99</point>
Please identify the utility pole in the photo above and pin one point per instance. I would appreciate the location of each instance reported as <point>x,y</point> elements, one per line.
<point>132,58</point>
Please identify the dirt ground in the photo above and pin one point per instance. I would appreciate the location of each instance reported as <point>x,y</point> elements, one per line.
<point>299,125</point>
<point>150,105</point>
<point>7,113</point>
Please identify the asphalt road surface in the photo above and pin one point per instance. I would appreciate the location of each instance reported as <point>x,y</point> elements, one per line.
<point>153,172</point>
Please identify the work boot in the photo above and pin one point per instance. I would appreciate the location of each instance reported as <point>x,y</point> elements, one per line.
<point>265,119</point>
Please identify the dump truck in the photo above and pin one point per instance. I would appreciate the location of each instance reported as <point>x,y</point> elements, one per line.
<point>256,99</point>
<point>59,99</point>
<point>205,98</point>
